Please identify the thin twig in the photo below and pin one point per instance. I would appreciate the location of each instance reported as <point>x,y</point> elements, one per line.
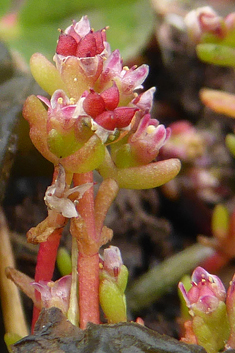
<point>13,314</point>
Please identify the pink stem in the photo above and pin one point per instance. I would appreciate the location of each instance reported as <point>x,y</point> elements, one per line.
<point>88,263</point>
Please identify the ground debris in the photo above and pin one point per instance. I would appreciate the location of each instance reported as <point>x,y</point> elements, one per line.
<point>54,333</point>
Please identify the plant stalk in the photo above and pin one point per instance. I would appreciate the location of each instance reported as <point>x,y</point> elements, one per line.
<point>13,314</point>
<point>88,262</point>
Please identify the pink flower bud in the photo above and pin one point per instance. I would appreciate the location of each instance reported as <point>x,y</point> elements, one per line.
<point>112,260</point>
<point>81,41</point>
<point>204,20</point>
<point>60,111</point>
<point>94,104</point>
<point>55,293</point>
<point>206,292</point>
<point>148,139</point>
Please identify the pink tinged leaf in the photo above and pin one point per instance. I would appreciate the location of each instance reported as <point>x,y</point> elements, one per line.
<point>112,67</point>
<point>44,100</point>
<point>144,123</point>
<point>71,31</point>
<point>92,67</point>
<point>81,27</point>
<point>59,99</point>
<point>134,77</point>
<point>62,287</point>
<point>210,283</point>
<point>159,136</point>
<point>60,204</point>
<point>80,190</point>
<point>123,116</point>
<point>207,304</point>
<point>93,104</point>
<point>111,97</point>
<point>145,100</point>
<point>230,21</point>
<point>67,45</point>
<point>184,294</point>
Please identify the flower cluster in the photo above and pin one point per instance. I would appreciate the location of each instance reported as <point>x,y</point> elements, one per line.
<point>212,310</point>
<point>95,102</point>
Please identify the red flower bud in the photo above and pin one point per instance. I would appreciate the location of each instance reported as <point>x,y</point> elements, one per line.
<point>67,45</point>
<point>93,104</point>
<point>111,97</point>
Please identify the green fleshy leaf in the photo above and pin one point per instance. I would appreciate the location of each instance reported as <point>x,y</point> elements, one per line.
<point>142,177</point>
<point>122,279</point>
<point>216,54</point>
<point>46,74</point>
<point>230,143</point>
<point>220,221</point>
<point>208,329</point>
<point>10,339</point>
<point>112,301</point>
<point>62,145</point>
<point>186,280</point>
<point>64,262</point>
<point>87,158</point>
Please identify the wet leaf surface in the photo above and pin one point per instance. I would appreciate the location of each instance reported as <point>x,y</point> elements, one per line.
<point>15,86</point>
<point>54,333</point>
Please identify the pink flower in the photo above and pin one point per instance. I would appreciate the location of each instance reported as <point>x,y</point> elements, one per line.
<point>60,112</point>
<point>149,137</point>
<point>204,20</point>
<point>144,101</point>
<point>206,293</point>
<point>55,293</point>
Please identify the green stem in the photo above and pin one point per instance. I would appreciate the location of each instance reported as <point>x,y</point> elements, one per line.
<point>73,313</point>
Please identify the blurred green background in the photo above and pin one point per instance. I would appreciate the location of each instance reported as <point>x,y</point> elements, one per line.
<point>32,26</point>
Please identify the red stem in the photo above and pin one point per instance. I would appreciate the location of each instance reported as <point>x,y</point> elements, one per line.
<point>46,264</point>
<point>88,264</point>
<point>46,260</point>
